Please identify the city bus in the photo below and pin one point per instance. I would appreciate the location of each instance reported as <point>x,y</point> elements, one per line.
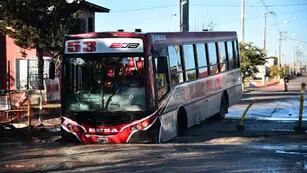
<point>127,87</point>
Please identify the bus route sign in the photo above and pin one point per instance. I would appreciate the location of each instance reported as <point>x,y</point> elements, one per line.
<point>104,45</point>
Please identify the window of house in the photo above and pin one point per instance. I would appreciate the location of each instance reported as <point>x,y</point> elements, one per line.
<point>189,61</point>
<point>90,24</point>
<point>202,60</point>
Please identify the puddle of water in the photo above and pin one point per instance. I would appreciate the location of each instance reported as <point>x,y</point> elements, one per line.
<point>285,149</point>
<point>287,152</point>
<point>19,125</point>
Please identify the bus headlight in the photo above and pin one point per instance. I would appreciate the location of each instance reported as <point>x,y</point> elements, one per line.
<point>145,123</point>
<point>141,125</point>
<point>75,128</point>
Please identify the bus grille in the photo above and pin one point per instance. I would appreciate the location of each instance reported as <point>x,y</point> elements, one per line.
<point>97,120</point>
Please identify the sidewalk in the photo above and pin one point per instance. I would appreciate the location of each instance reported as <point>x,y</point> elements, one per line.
<point>269,87</point>
<point>272,87</point>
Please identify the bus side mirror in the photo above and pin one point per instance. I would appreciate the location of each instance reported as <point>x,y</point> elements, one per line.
<point>162,64</point>
<point>51,70</point>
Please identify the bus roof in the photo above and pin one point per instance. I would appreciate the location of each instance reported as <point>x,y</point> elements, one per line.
<point>162,37</point>
<point>190,37</point>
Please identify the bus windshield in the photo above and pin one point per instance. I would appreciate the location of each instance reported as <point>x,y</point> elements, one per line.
<point>104,84</point>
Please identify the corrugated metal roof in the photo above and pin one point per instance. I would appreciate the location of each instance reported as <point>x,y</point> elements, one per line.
<point>93,7</point>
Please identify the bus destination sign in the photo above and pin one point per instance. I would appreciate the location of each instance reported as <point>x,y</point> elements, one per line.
<point>104,45</point>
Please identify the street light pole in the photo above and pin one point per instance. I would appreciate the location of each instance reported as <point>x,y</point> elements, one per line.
<point>242,19</point>
<point>265,29</point>
<point>184,15</point>
<point>264,32</point>
<point>279,49</point>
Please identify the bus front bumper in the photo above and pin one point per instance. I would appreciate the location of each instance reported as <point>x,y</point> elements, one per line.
<point>142,131</point>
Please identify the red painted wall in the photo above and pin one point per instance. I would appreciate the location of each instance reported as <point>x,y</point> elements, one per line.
<point>12,53</point>
<point>2,62</point>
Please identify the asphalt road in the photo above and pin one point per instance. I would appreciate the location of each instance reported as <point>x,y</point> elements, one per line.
<point>266,145</point>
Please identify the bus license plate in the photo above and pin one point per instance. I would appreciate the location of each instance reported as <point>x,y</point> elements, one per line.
<point>103,140</point>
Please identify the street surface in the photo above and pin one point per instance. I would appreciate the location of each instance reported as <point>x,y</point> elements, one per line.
<point>268,144</point>
<point>272,103</point>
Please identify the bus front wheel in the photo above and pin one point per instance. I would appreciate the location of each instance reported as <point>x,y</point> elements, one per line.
<point>181,122</point>
<point>67,137</point>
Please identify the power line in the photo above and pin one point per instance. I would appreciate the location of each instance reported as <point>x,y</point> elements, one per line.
<point>274,14</point>
<point>235,5</point>
<point>282,5</point>
<point>294,39</point>
<point>146,8</point>
<point>210,5</point>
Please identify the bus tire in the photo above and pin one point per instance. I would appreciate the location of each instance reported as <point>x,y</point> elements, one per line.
<point>223,108</point>
<point>67,137</point>
<point>181,122</point>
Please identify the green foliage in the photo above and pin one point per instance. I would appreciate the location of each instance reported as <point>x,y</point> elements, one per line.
<point>276,71</point>
<point>275,59</point>
<point>284,71</point>
<point>251,56</point>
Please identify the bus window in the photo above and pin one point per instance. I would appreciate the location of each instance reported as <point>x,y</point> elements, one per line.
<point>175,64</point>
<point>222,56</point>
<point>161,71</point>
<point>202,60</point>
<point>237,58</point>
<point>212,58</point>
<point>189,61</point>
<point>230,55</point>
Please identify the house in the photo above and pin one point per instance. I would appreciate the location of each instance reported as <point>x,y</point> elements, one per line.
<point>15,65</point>
<point>264,70</point>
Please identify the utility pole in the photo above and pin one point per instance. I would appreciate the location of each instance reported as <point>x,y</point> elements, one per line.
<point>265,29</point>
<point>264,33</point>
<point>242,19</point>
<point>184,15</point>
<point>279,47</point>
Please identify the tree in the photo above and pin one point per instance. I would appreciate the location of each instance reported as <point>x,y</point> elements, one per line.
<point>275,62</point>
<point>251,56</point>
<point>275,71</point>
<point>38,24</point>
<point>282,72</point>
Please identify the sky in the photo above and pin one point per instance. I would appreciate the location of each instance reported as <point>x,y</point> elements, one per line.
<point>286,16</point>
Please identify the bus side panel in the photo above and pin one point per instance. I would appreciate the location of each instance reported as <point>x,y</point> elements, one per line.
<point>214,104</point>
<point>169,117</point>
<point>234,85</point>
<point>201,99</point>
<point>193,113</point>
<point>168,129</point>
<point>234,94</point>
